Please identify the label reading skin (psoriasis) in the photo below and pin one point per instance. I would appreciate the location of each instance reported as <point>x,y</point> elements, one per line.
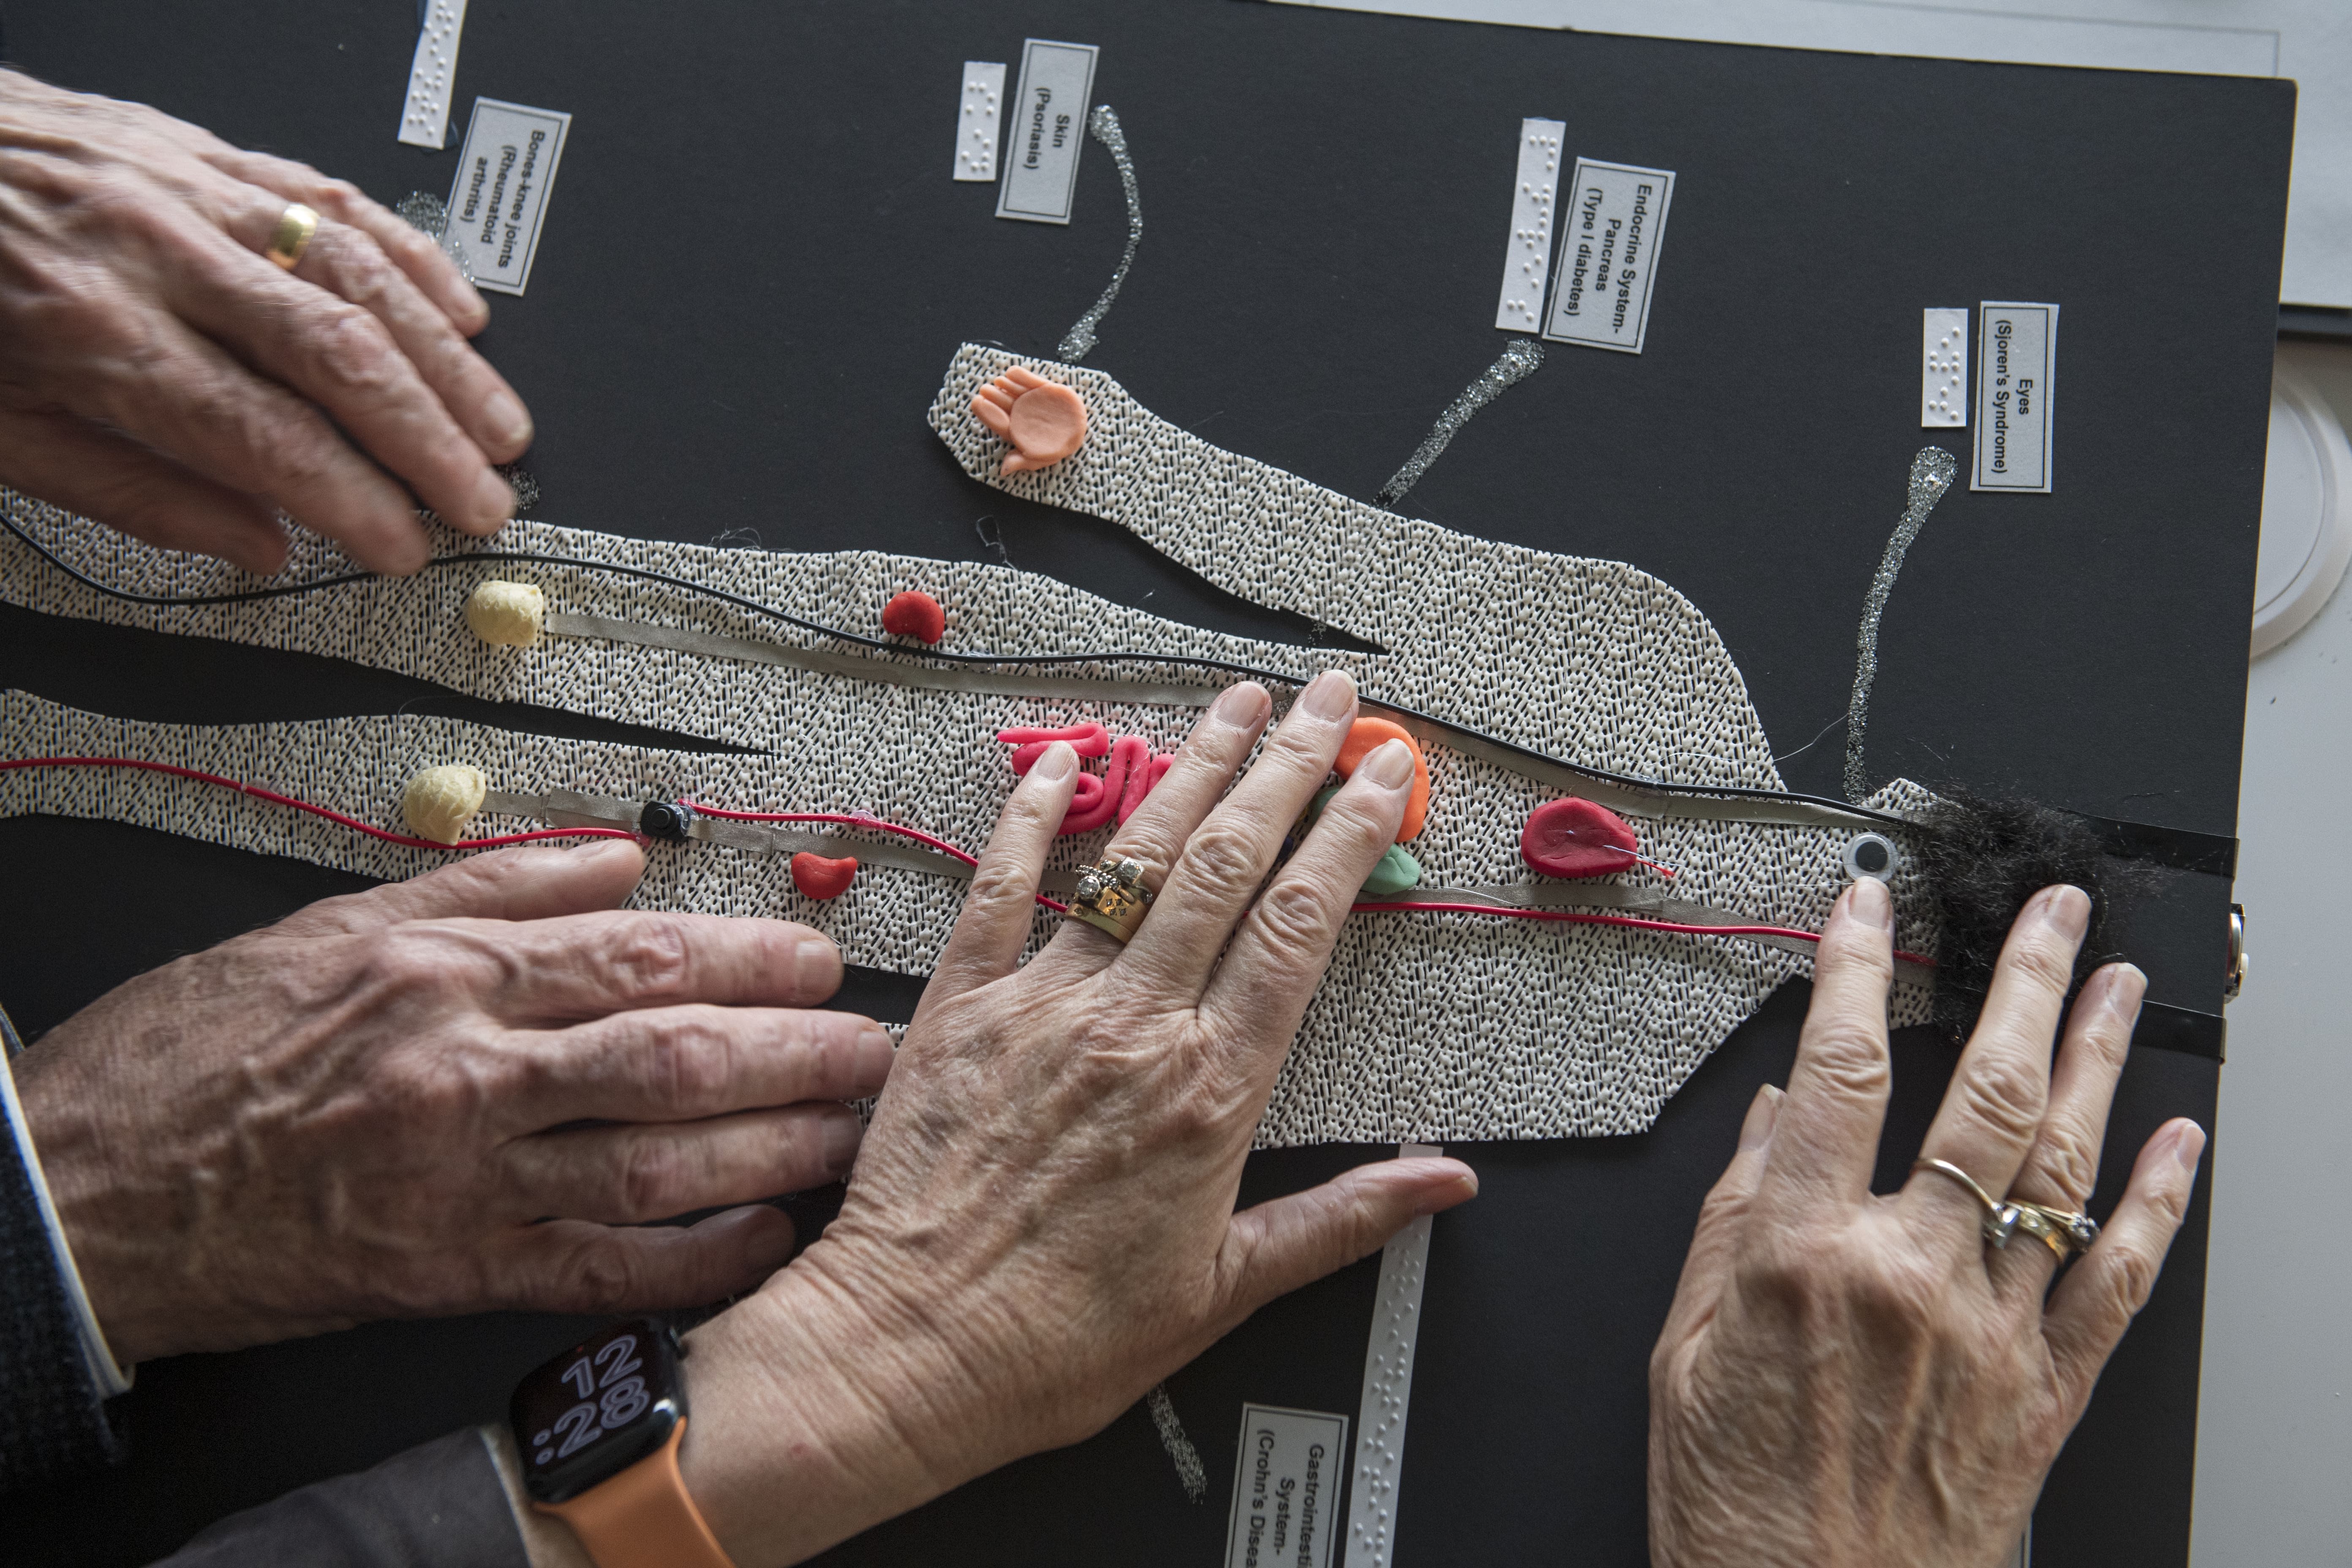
<point>1286,1487</point>
<point>2017,374</point>
<point>1612,223</point>
<point>504,176</point>
<point>1044,130</point>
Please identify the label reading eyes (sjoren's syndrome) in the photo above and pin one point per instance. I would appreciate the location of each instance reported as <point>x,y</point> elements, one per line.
<point>1613,223</point>
<point>2016,366</point>
<point>1044,128</point>
<point>1287,1489</point>
<point>504,176</point>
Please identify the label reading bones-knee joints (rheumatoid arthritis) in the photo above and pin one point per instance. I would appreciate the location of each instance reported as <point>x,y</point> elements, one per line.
<point>504,176</point>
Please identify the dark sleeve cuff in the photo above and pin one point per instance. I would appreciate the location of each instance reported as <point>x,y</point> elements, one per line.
<point>53,1423</point>
<point>440,1505</point>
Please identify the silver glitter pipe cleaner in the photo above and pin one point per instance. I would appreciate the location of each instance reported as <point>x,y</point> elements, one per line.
<point>1080,339</point>
<point>1179,1447</point>
<point>1931,476</point>
<point>1519,361</point>
<point>425,211</point>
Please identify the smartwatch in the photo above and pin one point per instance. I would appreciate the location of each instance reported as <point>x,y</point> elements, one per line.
<point>598,1429</point>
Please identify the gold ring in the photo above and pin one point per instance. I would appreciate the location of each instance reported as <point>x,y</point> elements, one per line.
<point>1999,1221</point>
<point>2063,1231</point>
<point>295,225</point>
<point>1111,898</point>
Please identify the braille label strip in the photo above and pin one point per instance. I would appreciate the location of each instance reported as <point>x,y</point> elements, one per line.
<point>1388,1388</point>
<point>1527,261</point>
<point>980,120</point>
<point>425,118</point>
<point>1943,368</point>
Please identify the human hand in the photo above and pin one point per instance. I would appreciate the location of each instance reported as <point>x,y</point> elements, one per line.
<point>1041,1225</point>
<point>445,1095</point>
<point>159,374</point>
<point>1846,1379</point>
<point>1043,420</point>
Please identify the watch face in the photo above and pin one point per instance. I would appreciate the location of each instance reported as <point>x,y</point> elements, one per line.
<point>597,1409</point>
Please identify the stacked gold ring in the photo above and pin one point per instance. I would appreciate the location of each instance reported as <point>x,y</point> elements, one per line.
<point>2063,1231</point>
<point>296,226</point>
<point>1111,898</point>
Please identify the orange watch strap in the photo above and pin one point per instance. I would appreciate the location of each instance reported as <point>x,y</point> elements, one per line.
<point>643,1518</point>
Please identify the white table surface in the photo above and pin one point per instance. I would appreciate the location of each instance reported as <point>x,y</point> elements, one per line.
<point>2274,1418</point>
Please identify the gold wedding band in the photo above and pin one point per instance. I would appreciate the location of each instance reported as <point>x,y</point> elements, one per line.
<point>1111,898</point>
<point>2063,1231</point>
<point>295,225</point>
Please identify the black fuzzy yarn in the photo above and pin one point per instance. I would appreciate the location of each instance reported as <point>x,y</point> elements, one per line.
<point>1982,859</point>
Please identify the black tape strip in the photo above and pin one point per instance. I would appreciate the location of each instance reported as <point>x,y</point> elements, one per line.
<point>2184,1029</point>
<point>2174,846</point>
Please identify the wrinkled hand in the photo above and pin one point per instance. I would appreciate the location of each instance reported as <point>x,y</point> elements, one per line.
<point>159,374</point>
<point>444,1096</point>
<point>1041,1225</point>
<point>1850,1380</point>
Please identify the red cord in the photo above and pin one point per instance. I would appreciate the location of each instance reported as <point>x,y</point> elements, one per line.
<point>275,798</point>
<point>871,823</point>
<point>875,825</point>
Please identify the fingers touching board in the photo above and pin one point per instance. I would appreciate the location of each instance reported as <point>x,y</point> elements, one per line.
<point>1992,1112</point>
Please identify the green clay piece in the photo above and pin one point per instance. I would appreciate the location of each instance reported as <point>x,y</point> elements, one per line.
<point>1397,871</point>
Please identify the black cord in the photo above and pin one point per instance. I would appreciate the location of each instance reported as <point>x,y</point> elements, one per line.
<point>1223,667</point>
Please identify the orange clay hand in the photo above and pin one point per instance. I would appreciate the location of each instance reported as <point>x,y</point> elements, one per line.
<point>1044,420</point>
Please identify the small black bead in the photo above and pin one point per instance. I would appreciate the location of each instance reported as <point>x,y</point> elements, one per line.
<point>664,819</point>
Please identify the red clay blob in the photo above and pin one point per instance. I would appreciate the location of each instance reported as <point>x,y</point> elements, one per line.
<point>1130,756</point>
<point>915,614</point>
<point>1574,838</point>
<point>1028,745</point>
<point>1368,735</point>
<point>818,878</point>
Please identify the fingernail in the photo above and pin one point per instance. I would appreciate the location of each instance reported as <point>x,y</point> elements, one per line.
<point>2125,985</point>
<point>1763,1115</point>
<point>871,1067</point>
<point>2189,1146</point>
<point>1330,695</point>
<point>1240,706</point>
<point>1390,765</point>
<point>843,1133</point>
<point>493,500</point>
<point>1061,759</point>
<point>2068,910</point>
<point>816,968</point>
<point>1867,902</point>
<point>1444,1195</point>
<point>510,423</point>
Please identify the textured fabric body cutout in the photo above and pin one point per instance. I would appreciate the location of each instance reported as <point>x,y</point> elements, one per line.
<point>1430,1028</point>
